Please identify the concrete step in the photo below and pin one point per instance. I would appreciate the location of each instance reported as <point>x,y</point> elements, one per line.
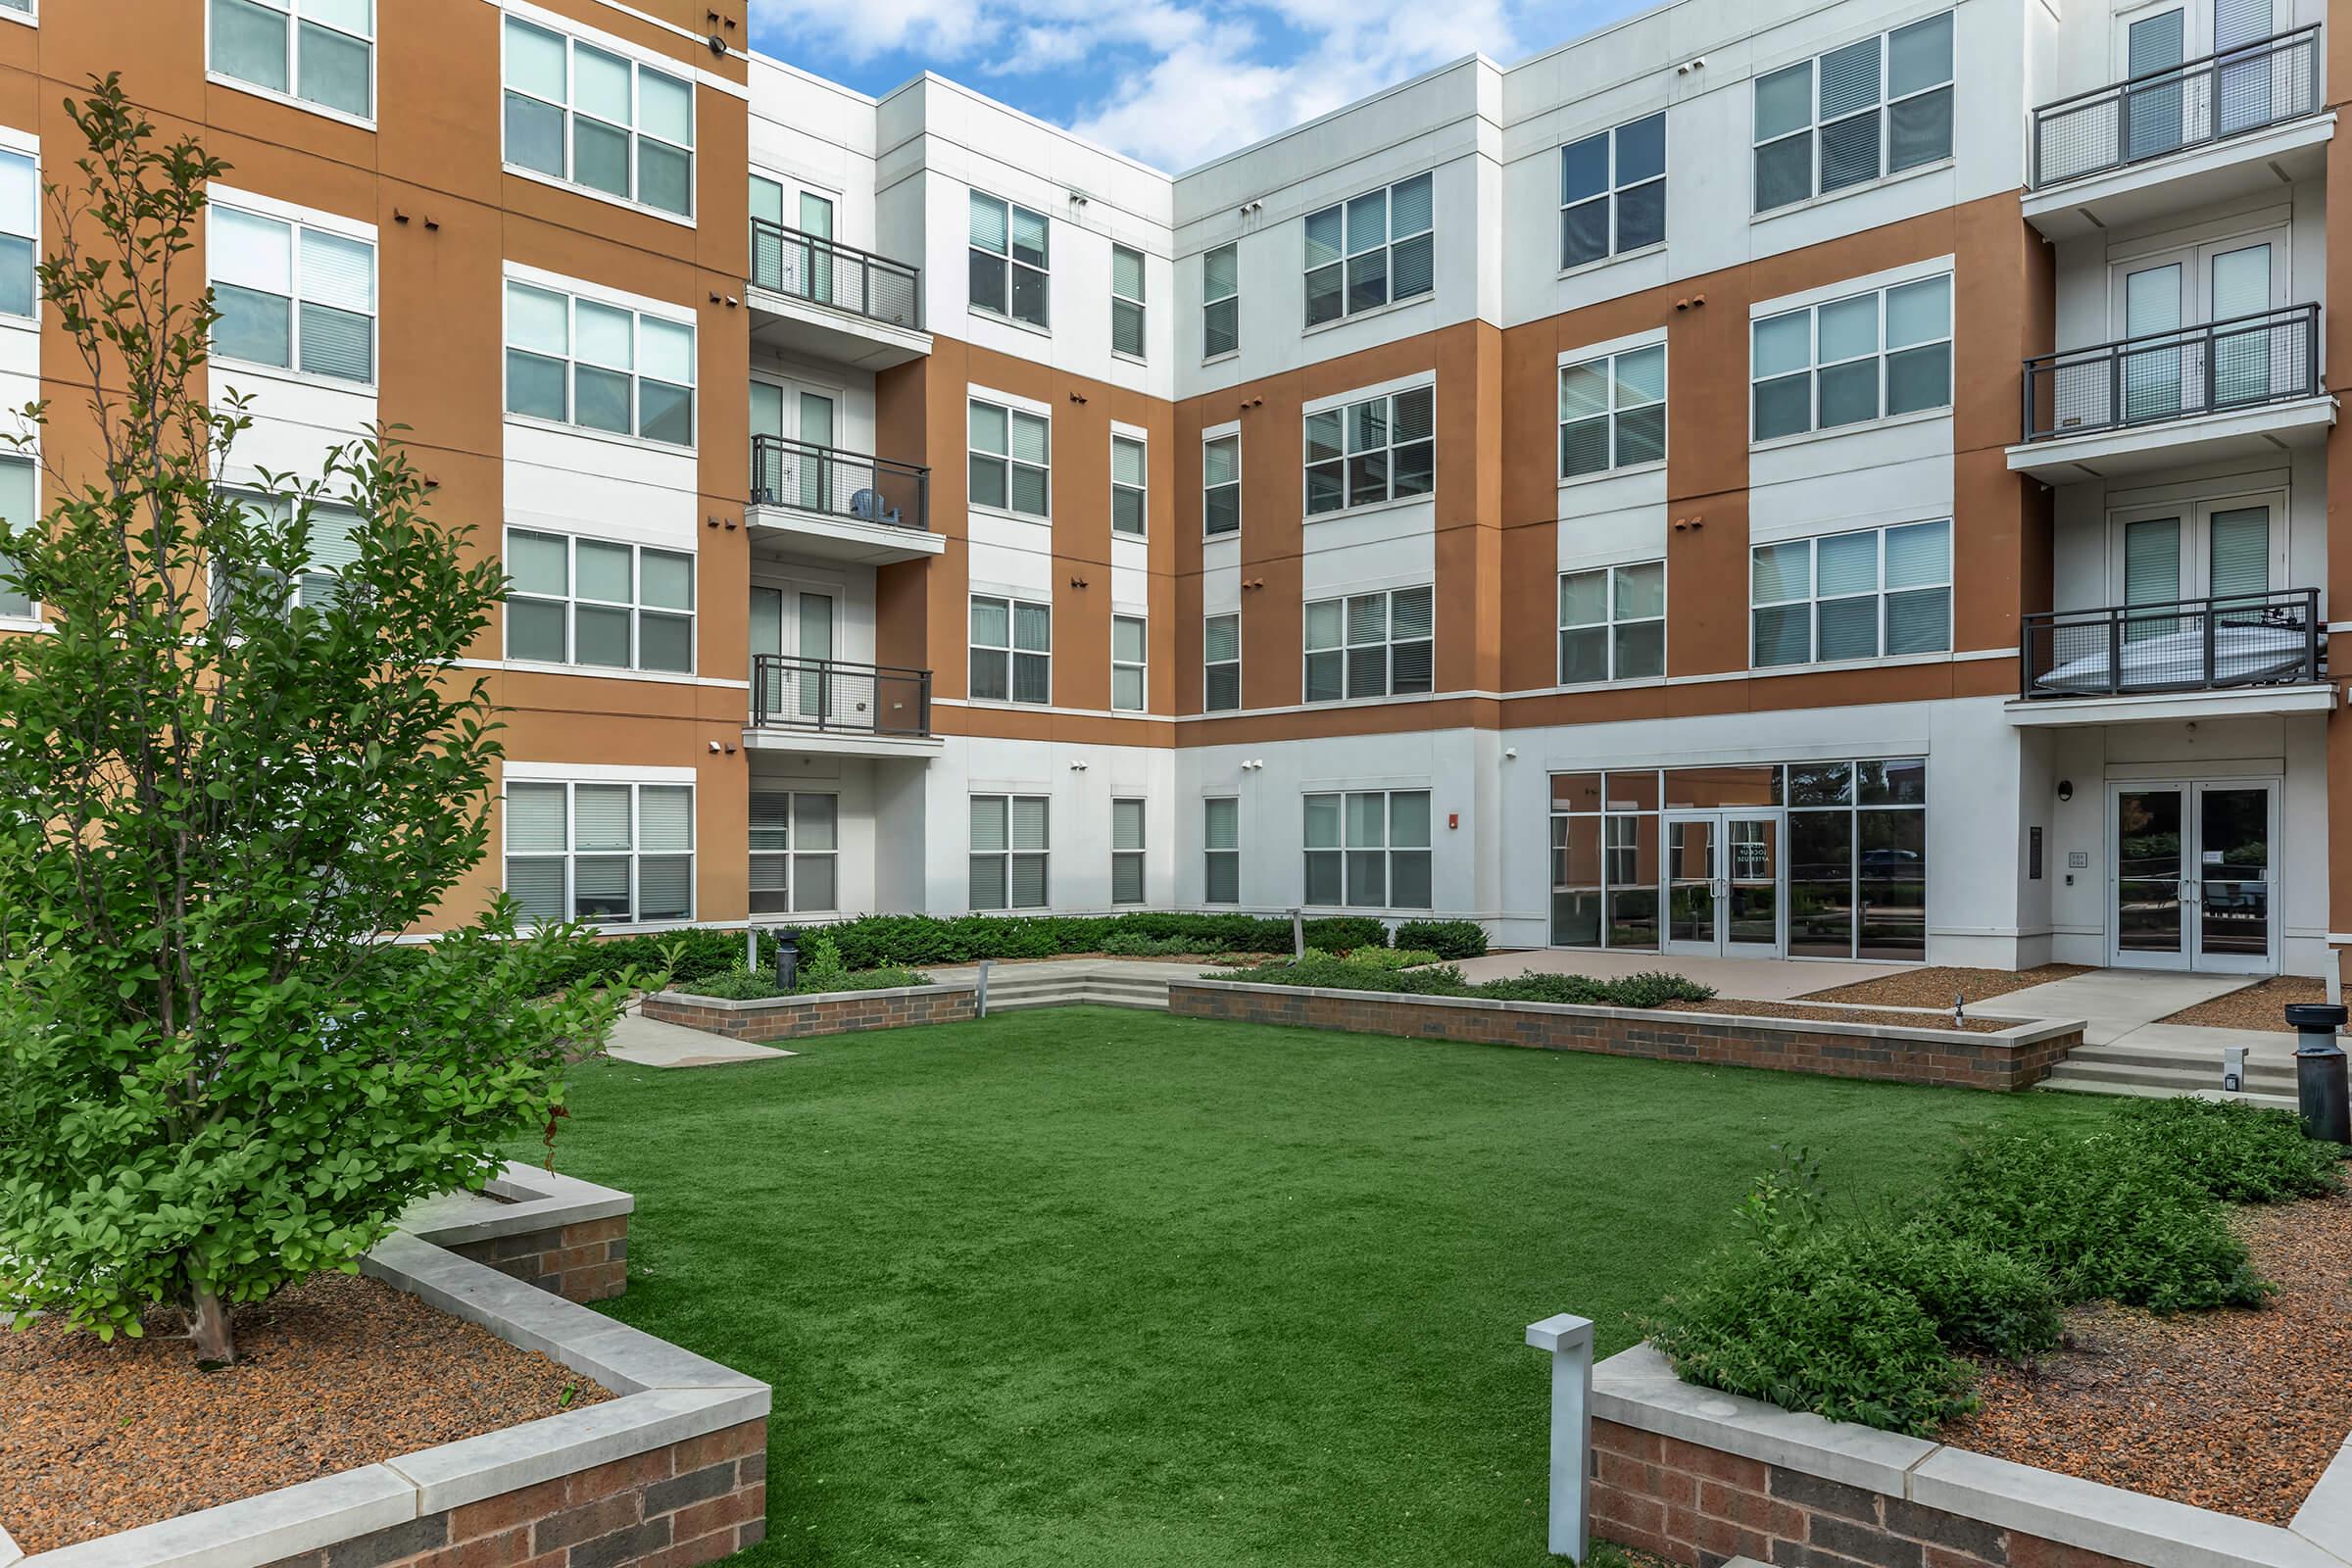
<point>2060,1082</point>
<point>2196,1070</point>
<point>1073,996</point>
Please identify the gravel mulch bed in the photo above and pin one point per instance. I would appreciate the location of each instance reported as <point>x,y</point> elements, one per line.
<point>1877,1015</point>
<point>2237,1411</point>
<point>338,1372</point>
<point>1933,987</point>
<point>2257,1006</point>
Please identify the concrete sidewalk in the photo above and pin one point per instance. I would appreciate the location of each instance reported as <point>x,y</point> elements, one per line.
<point>650,1043</point>
<point>2116,1002</point>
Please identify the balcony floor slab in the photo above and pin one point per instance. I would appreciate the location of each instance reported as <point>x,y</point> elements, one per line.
<point>2143,707</point>
<point>2263,430</point>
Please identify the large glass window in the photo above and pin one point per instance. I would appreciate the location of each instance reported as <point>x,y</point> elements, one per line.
<point>1012,650</point>
<point>1370,645</point>
<point>290,295</point>
<point>1613,623</point>
<point>1220,302</point>
<point>1126,852</point>
<point>1368,850</point>
<point>1222,485</point>
<point>1010,266</point>
<point>19,507</point>
<point>1010,844</point>
<point>1613,411</point>
<point>599,602</point>
<point>1221,840</point>
<point>611,853</point>
<point>1381,449</point>
<point>1862,358</point>
<point>1878,106</point>
<point>20,234</point>
<point>318,51</point>
<point>1127,302</point>
<point>1128,473</point>
<point>600,366</point>
<point>1127,646</point>
<point>794,843</point>
<point>1862,594</point>
<point>1613,191</point>
<point>591,118</point>
<point>1011,459</point>
<point>1221,662</point>
<point>1361,254</point>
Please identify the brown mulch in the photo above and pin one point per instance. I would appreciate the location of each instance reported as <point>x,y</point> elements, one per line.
<point>1873,1015</point>
<point>2233,1411</point>
<point>1933,987</point>
<point>338,1372</point>
<point>2256,1006</point>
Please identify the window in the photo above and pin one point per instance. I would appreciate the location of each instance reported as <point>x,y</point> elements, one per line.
<point>20,233</point>
<point>1009,845</point>
<point>597,603</point>
<point>1126,485</point>
<point>1381,449</point>
<point>292,296</point>
<point>1012,650</point>
<point>1221,838</point>
<point>19,508</point>
<point>1126,852</point>
<point>591,119</point>
<point>1369,645</point>
<point>1127,302</point>
<point>1880,104</point>
<point>600,366</point>
<point>1364,253</point>
<point>794,838</point>
<point>1368,850</point>
<point>1127,664</point>
<point>1862,358</point>
<point>1010,266</point>
<point>1613,411</point>
<point>1221,662</point>
<point>1878,591</point>
<point>22,6</point>
<point>319,51</point>
<point>1613,193</point>
<point>333,545</point>
<point>611,853</point>
<point>1220,302</point>
<point>1613,623</point>
<point>1222,485</point>
<point>1011,459</point>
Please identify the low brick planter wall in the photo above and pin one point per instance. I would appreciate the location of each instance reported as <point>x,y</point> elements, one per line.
<point>564,1236</point>
<point>2012,1058</point>
<point>820,1012</point>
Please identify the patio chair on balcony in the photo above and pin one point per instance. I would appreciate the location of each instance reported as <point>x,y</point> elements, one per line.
<point>869,506</point>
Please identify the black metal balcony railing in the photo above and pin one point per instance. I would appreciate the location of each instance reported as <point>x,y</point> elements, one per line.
<point>2160,112</point>
<point>837,698</point>
<point>841,277</point>
<point>2264,639</point>
<point>840,484</point>
<point>2266,357</point>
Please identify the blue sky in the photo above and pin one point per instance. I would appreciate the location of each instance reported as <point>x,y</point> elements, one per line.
<point>1173,82</point>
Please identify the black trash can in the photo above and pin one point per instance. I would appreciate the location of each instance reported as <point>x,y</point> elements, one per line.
<point>788,958</point>
<point>2320,1088</point>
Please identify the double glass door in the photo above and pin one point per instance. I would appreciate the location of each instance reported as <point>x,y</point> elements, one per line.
<point>795,476</point>
<point>2169,371</point>
<point>795,622</point>
<point>2191,885</point>
<point>1723,876</point>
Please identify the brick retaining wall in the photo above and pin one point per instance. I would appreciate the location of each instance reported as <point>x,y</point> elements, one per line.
<point>2013,1059</point>
<point>584,1261</point>
<point>831,1012</point>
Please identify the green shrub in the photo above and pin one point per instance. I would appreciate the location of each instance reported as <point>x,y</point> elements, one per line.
<point>1387,971</point>
<point>1447,939</point>
<point>1982,1301</point>
<point>2237,1153</point>
<point>1391,957</point>
<point>744,985</point>
<point>1647,989</point>
<point>1134,945</point>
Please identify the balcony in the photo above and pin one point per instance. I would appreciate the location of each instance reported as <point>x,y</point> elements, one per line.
<point>825,504</point>
<point>2239,653</point>
<point>2231,124</point>
<point>2243,386</point>
<point>813,296</point>
<point>827,704</point>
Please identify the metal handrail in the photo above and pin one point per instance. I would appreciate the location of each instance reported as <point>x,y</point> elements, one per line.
<point>825,271</point>
<point>2186,105</point>
<point>2240,362</point>
<point>2209,644</point>
<point>805,476</point>
<point>839,697</point>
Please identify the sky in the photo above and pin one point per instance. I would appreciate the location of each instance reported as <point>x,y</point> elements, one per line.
<point>1172,82</point>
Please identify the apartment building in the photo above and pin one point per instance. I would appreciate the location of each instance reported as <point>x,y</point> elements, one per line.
<point>1825,481</point>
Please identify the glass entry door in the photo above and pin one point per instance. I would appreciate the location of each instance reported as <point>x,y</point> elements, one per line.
<point>2191,881</point>
<point>1722,883</point>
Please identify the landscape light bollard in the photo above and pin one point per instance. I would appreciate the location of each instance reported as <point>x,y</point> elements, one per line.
<point>2319,1090</point>
<point>788,958</point>
<point>980,992</point>
<point>1298,935</point>
<point>1569,1339</point>
<point>750,948</point>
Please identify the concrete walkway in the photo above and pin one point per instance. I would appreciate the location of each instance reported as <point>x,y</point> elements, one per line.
<point>1737,979</point>
<point>650,1043</point>
<point>2116,1002</point>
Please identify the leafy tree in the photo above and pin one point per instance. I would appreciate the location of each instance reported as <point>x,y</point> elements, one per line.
<point>227,779</point>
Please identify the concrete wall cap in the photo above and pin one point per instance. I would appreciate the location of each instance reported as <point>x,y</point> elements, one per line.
<point>453,1474</point>
<point>535,1200</point>
<point>255,1529</point>
<point>811,998</point>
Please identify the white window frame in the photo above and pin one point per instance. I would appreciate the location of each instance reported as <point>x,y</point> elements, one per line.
<point>25,13</point>
<point>974,454</point>
<point>635,606</point>
<point>19,146</point>
<point>1133,855</point>
<point>1348,646</point>
<point>1614,619</point>
<point>635,853</point>
<point>1011,649</point>
<point>31,615</point>
<point>1008,854</point>
<point>1353,870</point>
<point>1613,189</point>
<point>300,228</point>
<point>1621,400</point>
<point>1214,855</point>
<point>1231,298</point>
<point>790,855</point>
<point>1123,306</point>
<point>1122,435</point>
<point>1880,104</point>
<point>571,363</point>
<point>1342,464</point>
<point>291,94</point>
<point>1812,599</point>
<point>640,66</point>
<point>1882,354</point>
<point>1209,666</point>
<point>1208,492</point>
<point>1142,666</point>
<point>1349,253</point>
<point>1044,270</point>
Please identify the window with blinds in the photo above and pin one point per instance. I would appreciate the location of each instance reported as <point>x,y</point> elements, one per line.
<point>1221,662</point>
<point>587,116</point>
<point>1613,623</point>
<point>1873,593</point>
<point>1220,302</point>
<point>1368,850</point>
<point>1876,107</point>
<point>1127,659</point>
<point>1126,850</point>
<point>1127,486</point>
<point>333,545</point>
<point>1222,485</point>
<point>20,234</point>
<point>1010,266</point>
<point>598,602</point>
<point>19,507</point>
<point>1613,193</point>
<point>611,853</point>
<point>1009,847</point>
<point>1846,362</point>
<point>1012,651</point>
<point>290,296</point>
<point>794,843</point>
<point>1381,449</point>
<point>319,52</point>
<point>1011,460</point>
<point>599,366</point>
<point>1127,302</point>
<point>1613,411</point>
<point>1370,251</point>
<point>1221,851</point>
<point>1370,645</point>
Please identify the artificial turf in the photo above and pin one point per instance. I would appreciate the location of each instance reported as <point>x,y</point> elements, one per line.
<point>1101,1288</point>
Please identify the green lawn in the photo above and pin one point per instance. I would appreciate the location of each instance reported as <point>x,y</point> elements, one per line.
<point>1099,1287</point>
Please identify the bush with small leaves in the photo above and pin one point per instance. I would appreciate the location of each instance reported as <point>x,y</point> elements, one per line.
<point>1447,939</point>
<point>2237,1153</point>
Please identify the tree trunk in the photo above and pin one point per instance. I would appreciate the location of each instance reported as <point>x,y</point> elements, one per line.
<point>208,1327</point>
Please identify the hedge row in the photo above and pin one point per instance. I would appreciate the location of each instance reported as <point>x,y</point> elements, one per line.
<point>1325,971</point>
